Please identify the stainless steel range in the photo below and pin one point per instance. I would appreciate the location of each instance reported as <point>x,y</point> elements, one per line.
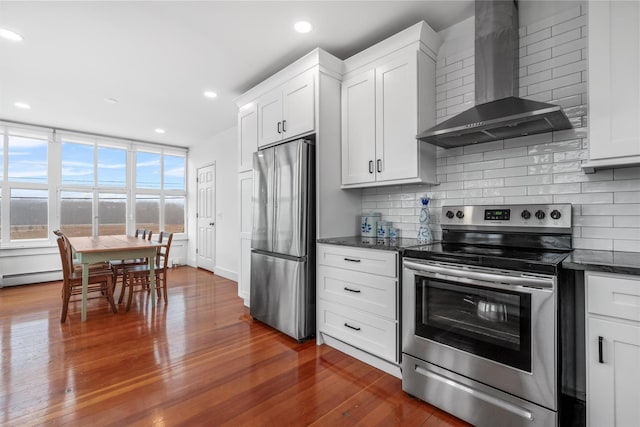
<point>480,314</point>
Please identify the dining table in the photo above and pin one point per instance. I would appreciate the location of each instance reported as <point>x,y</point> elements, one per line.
<point>89,250</point>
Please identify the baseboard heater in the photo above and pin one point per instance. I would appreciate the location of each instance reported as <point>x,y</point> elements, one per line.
<point>30,278</point>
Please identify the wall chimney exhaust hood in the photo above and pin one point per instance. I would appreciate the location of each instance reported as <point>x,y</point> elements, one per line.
<point>499,113</point>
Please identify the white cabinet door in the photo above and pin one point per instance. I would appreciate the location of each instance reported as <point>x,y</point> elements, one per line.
<point>270,118</point>
<point>244,272</point>
<point>614,383</point>
<point>298,105</point>
<point>614,83</point>
<point>396,119</point>
<point>247,136</point>
<point>358,129</point>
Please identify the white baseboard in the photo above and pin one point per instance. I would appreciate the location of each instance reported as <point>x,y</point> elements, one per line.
<point>227,274</point>
<point>30,278</point>
<point>376,362</point>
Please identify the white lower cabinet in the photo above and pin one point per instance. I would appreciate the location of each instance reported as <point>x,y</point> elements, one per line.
<point>355,306</point>
<point>613,350</point>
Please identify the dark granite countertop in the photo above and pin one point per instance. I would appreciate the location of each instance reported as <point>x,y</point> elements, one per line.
<point>607,261</point>
<point>372,242</point>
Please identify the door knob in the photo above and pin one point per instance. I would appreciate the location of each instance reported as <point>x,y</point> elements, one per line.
<point>212,224</point>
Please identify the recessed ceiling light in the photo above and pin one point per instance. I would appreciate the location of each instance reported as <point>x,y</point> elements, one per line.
<point>111,100</point>
<point>302,27</point>
<point>159,130</point>
<point>10,35</point>
<point>22,105</point>
<point>210,94</point>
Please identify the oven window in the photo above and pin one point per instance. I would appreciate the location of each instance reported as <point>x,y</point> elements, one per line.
<point>494,324</point>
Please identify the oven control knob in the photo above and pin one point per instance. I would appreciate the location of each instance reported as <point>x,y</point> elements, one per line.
<point>449,214</point>
<point>460,214</point>
<point>525,214</point>
<point>555,214</point>
<point>540,214</point>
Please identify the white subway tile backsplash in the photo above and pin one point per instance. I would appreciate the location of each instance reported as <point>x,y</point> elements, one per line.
<point>552,63</point>
<point>553,189</point>
<point>543,55</point>
<point>528,160</point>
<point>519,200</point>
<point>505,172</point>
<point>626,245</point>
<point>483,165</point>
<point>627,221</point>
<point>541,168</point>
<point>627,197</point>
<point>621,185</point>
<point>580,199</point>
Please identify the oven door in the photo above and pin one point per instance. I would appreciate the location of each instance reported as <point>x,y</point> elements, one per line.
<point>496,327</point>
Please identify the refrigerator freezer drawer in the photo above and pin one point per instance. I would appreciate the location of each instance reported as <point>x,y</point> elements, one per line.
<point>283,294</point>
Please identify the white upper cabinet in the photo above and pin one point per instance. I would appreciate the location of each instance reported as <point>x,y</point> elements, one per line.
<point>614,83</point>
<point>247,136</point>
<point>287,111</point>
<point>388,97</point>
<point>359,128</point>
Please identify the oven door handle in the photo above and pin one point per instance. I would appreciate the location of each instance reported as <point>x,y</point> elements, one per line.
<point>489,277</point>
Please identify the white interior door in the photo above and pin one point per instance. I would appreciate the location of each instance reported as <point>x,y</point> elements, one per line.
<point>206,217</point>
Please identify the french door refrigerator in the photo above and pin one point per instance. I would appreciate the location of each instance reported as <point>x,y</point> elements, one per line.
<point>283,238</point>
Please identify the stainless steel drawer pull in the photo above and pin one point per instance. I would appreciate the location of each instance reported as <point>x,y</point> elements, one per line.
<point>355,328</point>
<point>352,260</point>
<point>357,291</point>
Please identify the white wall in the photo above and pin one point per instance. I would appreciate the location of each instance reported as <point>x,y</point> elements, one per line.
<point>223,150</point>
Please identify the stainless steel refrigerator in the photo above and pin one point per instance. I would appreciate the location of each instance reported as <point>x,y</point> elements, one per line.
<point>283,238</point>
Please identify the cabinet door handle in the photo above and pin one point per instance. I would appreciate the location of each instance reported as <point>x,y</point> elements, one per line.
<point>279,127</point>
<point>355,328</point>
<point>379,165</point>
<point>600,344</point>
<point>284,126</point>
<point>370,166</point>
<point>355,291</point>
<point>352,260</point>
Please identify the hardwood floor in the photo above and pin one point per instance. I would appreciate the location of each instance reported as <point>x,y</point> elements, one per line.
<point>199,360</point>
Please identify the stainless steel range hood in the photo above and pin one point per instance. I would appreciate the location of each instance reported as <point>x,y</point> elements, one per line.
<point>499,113</point>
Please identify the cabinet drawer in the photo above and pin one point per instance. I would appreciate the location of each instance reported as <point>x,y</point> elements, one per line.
<point>365,260</point>
<point>362,291</point>
<point>613,295</point>
<point>365,331</point>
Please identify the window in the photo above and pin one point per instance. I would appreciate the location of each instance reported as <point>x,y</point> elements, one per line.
<point>160,191</point>
<point>77,164</point>
<point>147,170</point>
<point>112,167</point>
<point>27,158</point>
<point>75,213</point>
<point>148,212</point>
<point>89,183</point>
<point>28,214</point>
<point>112,214</point>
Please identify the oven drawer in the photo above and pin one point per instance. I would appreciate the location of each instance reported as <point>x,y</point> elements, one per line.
<point>362,291</point>
<point>365,260</point>
<point>365,331</point>
<point>613,295</point>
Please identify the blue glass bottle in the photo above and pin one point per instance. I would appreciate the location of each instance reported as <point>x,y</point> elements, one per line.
<point>424,233</point>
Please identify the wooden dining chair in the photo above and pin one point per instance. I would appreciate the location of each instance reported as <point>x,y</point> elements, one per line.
<point>76,265</point>
<point>120,266</point>
<point>140,276</point>
<point>100,281</point>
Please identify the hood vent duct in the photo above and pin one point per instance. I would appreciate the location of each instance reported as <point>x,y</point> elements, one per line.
<point>499,113</point>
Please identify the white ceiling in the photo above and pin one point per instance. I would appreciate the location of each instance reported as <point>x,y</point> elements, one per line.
<point>157,58</point>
